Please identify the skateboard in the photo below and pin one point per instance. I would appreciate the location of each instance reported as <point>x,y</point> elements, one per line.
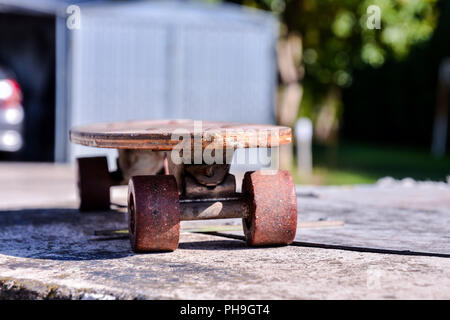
<point>179,170</point>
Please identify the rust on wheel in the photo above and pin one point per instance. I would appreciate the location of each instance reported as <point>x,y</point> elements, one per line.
<point>272,203</point>
<point>154,213</point>
<point>94,182</point>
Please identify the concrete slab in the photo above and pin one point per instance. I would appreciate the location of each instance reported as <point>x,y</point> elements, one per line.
<point>399,218</point>
<point>49,250</point>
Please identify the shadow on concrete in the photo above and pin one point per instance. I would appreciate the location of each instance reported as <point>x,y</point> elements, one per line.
<point>66,234</point>
<point>214,245</point>
<point>60,234</point>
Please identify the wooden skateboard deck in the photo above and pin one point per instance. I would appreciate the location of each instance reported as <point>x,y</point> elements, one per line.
<point>157,202</point>
<point>157,134</point>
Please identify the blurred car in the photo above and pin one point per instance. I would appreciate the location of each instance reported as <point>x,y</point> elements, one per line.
<point>11,113</point>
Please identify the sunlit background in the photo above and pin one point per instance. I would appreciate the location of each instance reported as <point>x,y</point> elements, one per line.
<point>364,103</point>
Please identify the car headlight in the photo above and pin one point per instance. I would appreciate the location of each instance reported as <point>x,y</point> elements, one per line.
<point>10,140</point>
<point>6,89</point>
<point>14,115</point>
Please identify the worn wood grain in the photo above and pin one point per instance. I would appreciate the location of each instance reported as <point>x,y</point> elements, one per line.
<point>163,134</point>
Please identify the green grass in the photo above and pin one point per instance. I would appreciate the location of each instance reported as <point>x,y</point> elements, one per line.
<point>350,163</point>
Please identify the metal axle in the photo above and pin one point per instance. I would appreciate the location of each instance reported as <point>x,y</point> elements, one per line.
<point>218,208</point>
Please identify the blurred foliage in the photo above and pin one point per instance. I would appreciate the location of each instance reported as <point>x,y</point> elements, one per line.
<point>355,163</point>
<point>395,103</point>
<point>336,39</point>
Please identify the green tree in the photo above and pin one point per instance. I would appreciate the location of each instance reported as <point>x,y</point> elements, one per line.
<point>336,41</point>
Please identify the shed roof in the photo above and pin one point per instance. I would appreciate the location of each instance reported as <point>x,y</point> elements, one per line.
<point>184,10</point>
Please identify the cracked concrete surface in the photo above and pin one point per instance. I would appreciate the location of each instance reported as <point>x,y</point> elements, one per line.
<point>48,250</point>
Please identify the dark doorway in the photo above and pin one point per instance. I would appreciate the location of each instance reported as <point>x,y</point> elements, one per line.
<point>27,48</point>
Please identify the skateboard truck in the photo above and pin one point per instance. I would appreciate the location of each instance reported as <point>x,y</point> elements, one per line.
<point>267,205</point>
<point>208,192</point>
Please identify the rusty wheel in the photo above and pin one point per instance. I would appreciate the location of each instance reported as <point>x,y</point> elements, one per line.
<point>272,201</point>
<point>153,213</point>
<point>93,183</point>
